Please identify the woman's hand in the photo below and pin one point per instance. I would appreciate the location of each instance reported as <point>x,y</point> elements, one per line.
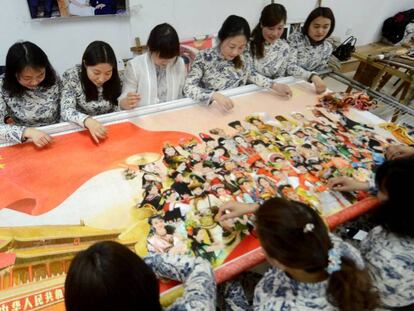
<point>97,130</point>
<point>234,209</point>
<point>282,89</point>
<point>222,101</point>
<point>346,184</point>
<point>320,86</point>
<point>399,151</point>
<point>131,101</point>
<point>39,138</point>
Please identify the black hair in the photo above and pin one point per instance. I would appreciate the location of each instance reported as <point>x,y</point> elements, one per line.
<point>319,12</point>
<point>272,14</point>
<point>234,26</point>
<point>99,52</point>
<point>280,225</point>
<point>221,147</point>
<point>221,141</point>
<point>163,39</point>
<point>395,179</point>
<point>20,56</point>
<point>109,276</point>
<point>205,138</point>
<point>174,174</point>
<point>156,216</point>
<point>233,124</point>
<point>258,142</point>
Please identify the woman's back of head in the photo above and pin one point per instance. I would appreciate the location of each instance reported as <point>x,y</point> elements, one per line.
<point>394,182</point>
<point>294,235</point>
<point>109,276</point>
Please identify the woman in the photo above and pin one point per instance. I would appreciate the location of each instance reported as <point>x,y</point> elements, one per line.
<point>91,88</point>
<point>389,247</point>
<point>156,76</point>
<point>271,55</point>
<point>109,276</point>
<point>311,48</point>
<point>310,268</point>
<point>226,66</point>
<point>29,95</point>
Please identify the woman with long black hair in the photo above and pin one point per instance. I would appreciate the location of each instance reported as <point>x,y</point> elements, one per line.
<point>29,95</point>
<point>91,88</point>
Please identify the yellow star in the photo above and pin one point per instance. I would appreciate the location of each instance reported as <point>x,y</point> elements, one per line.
<point>2,165</point>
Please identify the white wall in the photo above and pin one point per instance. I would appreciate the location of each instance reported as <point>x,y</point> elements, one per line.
<point>190,17</point>
<point>65,40</point>
<point>364,19</point>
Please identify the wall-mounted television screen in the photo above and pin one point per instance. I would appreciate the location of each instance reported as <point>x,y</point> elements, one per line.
<point>69,8</point>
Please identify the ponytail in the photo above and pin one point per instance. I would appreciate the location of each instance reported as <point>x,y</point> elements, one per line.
<point>351,289</point>
<point>238,63</point>
<point>295,235</point>
<point>257,43</point>
<point>234,26</point>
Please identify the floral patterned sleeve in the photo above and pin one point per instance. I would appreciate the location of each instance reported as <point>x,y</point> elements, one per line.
<point>195,273</point>
<point>71,91</point>
<point>9,133</point>
<point>390,262</point>
<point>192,86</point>
<point>293,69</point>
<point>348,251</point>
<point>259,79</point>
<point>253,76</point>
<point>326,55</point>
<point>309,58</point>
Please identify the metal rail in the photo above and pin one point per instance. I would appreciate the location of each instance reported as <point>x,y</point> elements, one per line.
<point>386,99</point>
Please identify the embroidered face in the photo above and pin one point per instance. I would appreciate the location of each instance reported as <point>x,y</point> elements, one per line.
<point>271,34</point>
<point>232,47</point>
<point>260,148</point>
<point>264,183</point>
<point>153,191</point>
<point>99,73</point>
<point>319,28</point>
<point>179,177</point>
<point>169,151</point>
<point>159,225</point>
<point>31,77</point>
<point>197,191</point>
